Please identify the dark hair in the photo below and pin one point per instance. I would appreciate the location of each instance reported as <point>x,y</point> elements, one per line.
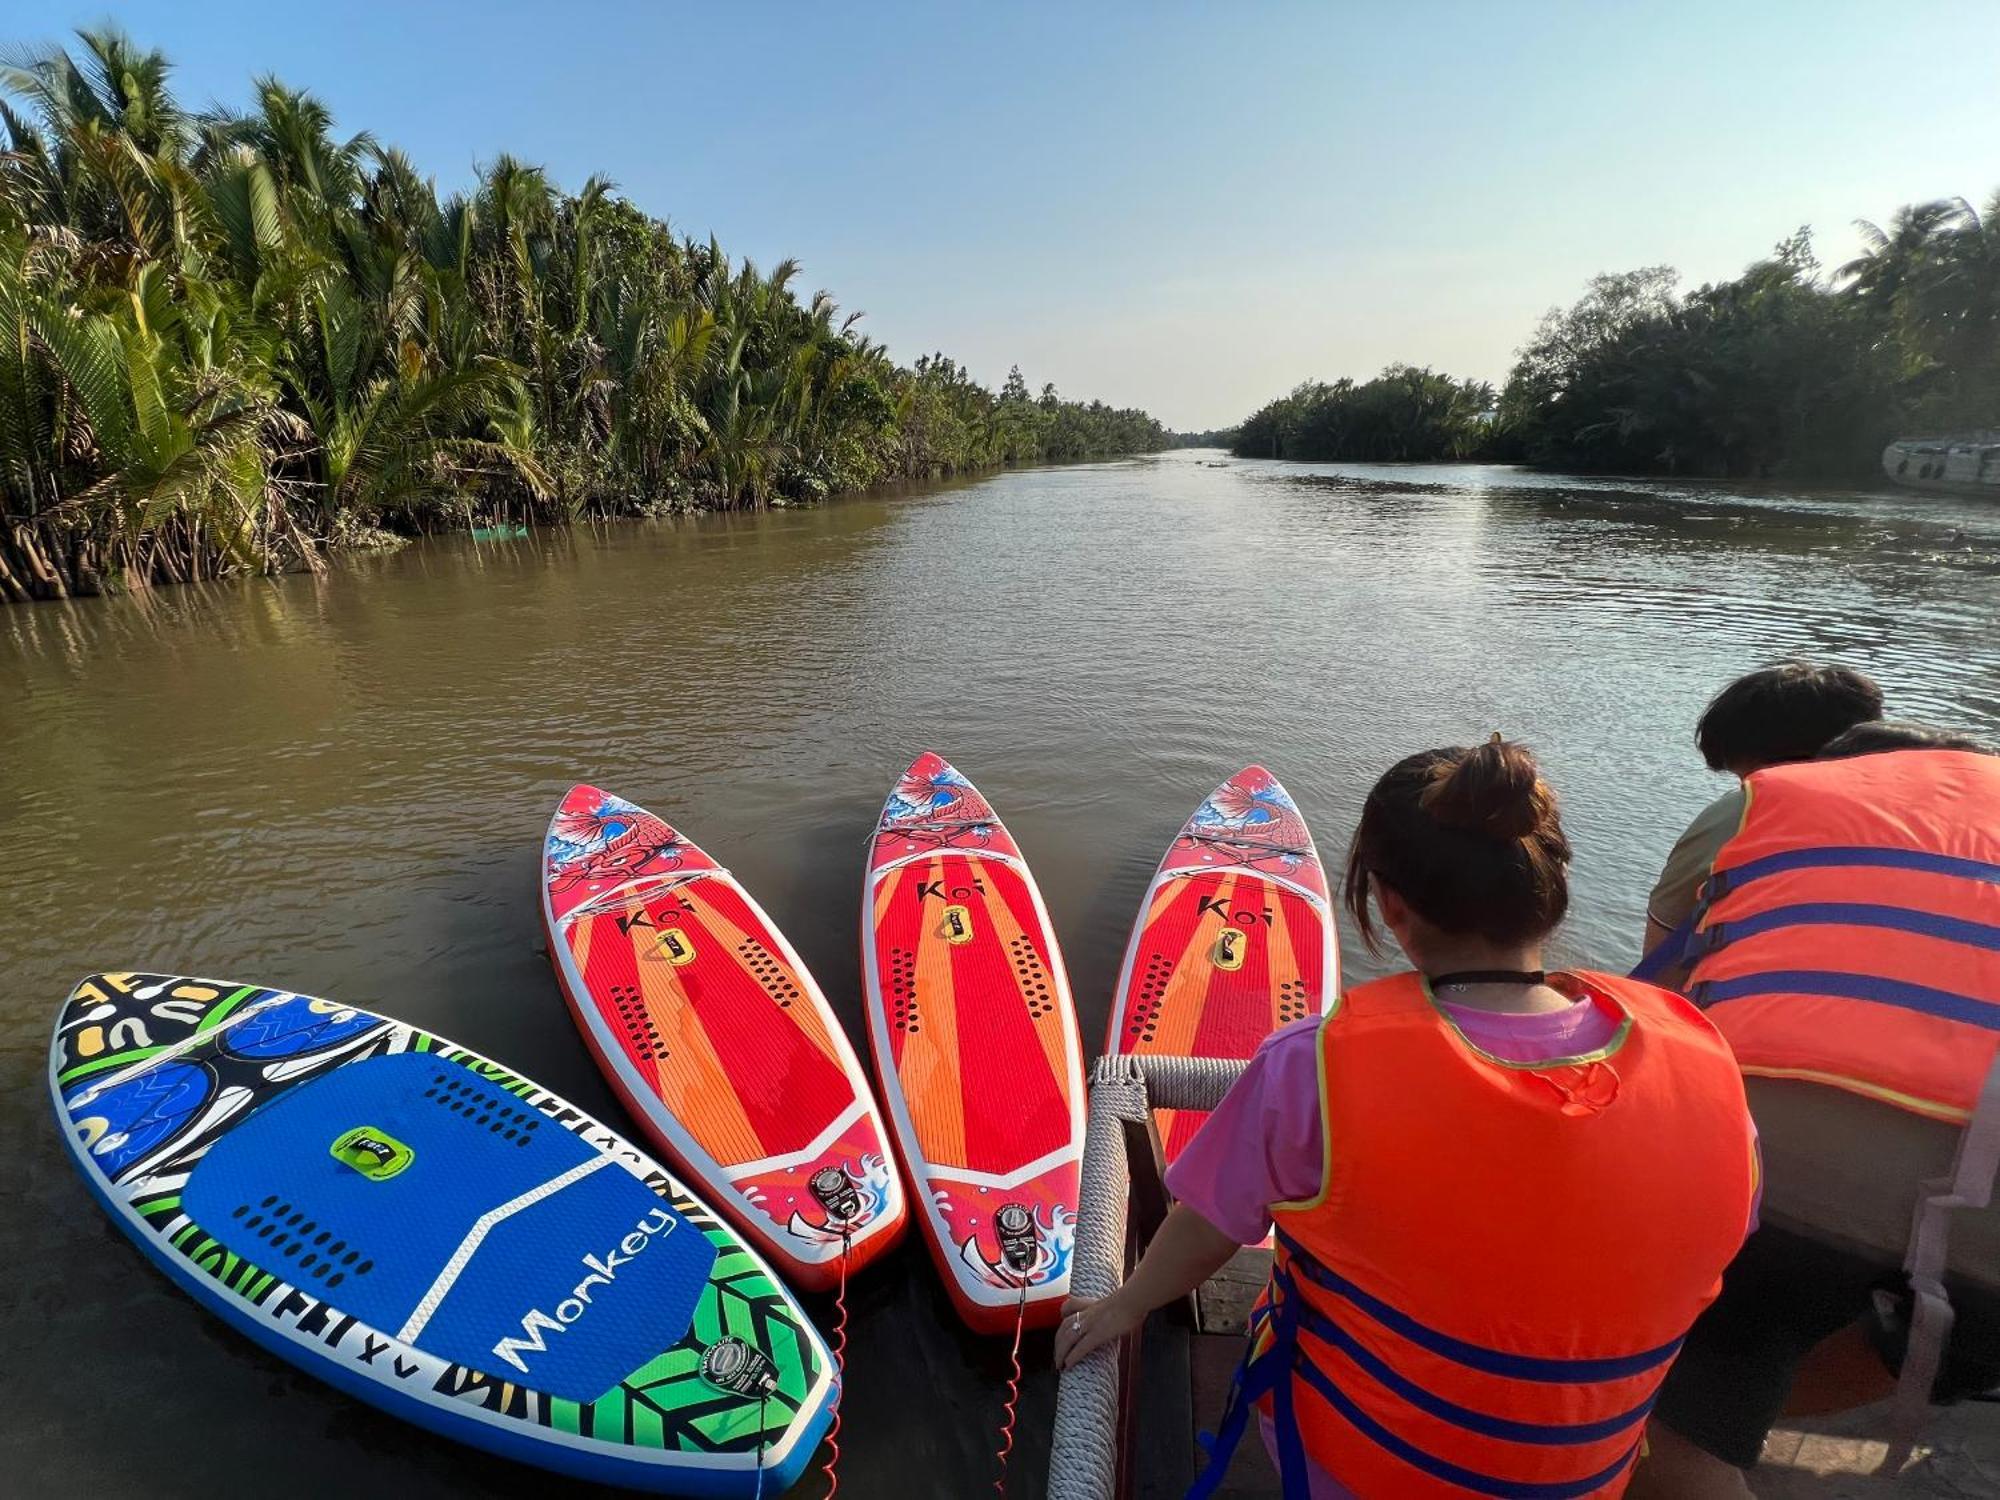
<point>1471,839</point>
<point>1885,734</point>
<point>1783,713</point>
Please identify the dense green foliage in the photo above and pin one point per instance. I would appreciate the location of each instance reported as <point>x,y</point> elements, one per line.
<point>1215,437</point>
<point>1403,413</point>
<point>231,340</point>
<point>1784,370</point>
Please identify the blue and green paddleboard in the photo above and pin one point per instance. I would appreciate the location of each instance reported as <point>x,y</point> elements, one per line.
<point>436,1236</point>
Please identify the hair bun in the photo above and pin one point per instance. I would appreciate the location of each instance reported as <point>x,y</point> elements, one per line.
<point>1494,789</point>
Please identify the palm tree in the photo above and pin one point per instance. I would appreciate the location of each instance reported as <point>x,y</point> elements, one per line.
<point>229,338</point>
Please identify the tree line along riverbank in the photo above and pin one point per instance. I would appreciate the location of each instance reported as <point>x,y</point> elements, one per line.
<point>1787,370</point>
<point>235,341</point>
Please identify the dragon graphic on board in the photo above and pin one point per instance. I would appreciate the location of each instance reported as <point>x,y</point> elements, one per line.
<point>937,805</point>
<point>1254,818</point>
<point>611,840</point>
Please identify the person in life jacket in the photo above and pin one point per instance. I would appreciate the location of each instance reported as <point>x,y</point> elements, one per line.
<point>1500,1195</point>
<point>1847,944</point>
<point>1770,717</point>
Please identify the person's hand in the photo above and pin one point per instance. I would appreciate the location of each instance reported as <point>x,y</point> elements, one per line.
<point>1089,1325</point>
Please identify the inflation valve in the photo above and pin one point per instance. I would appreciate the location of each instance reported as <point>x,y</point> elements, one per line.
<point>836,1194</point>
<point>735,1366</point>
<point>1014,1227</point>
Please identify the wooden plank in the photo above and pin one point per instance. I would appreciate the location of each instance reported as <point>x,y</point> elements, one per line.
<point>1223,1304</point>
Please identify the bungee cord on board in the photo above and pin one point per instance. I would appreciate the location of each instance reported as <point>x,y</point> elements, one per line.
<point>831,1467</point>
<point>762,1402</point>
<point>1009,1408</point>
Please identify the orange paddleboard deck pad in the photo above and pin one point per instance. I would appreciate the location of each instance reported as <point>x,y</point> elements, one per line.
<point>716,1038</point>
<point>1235,937</point>
<point>975,1041</point>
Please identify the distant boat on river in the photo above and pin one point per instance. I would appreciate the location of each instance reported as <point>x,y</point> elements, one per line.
<point>1969,463</point>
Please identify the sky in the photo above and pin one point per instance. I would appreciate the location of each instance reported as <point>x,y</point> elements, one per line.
<point>1186,208</point>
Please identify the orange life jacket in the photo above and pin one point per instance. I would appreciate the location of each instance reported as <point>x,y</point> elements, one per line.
<point>1504,1258</point>
<point>1850,932</point>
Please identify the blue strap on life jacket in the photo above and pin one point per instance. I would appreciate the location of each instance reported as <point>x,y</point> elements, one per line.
<point>1258,1375</point>
<point>1946,1005</point>
<point>1689,942</point>
<point>1852,856</point>
<point>1667,953</point>
<point>1960,930</point>
<point>1272,1372</point>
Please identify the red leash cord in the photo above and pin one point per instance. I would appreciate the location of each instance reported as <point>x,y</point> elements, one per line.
<point>840,1366</point>
<point>1013,1391</point>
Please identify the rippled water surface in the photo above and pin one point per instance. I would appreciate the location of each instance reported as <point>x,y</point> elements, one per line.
<point>339,785</point>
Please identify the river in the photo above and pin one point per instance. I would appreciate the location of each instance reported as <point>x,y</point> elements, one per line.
<point>339,784</point>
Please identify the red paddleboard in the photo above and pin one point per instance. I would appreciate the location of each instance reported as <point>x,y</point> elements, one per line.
<point>717,1039</point>
<point>975,1042</point>
<point>1234,939</point>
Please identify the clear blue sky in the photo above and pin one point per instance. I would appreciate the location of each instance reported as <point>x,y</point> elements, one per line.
<point>1187,208</point>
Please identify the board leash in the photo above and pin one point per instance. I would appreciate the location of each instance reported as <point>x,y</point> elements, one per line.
<point>762,1402</point>
<point>839,1365</point>
<point>1010,1408</point>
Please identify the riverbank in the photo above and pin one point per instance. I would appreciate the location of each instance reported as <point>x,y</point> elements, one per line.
<point>357,540</point>
<point>246,339</point>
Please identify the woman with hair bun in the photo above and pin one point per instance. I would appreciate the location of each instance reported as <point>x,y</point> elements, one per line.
<point>1500,1195</point>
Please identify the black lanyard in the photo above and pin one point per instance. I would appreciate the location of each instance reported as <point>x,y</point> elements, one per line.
<point>1488,976</point>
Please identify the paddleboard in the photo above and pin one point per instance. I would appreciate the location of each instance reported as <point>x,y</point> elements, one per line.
<point>435,1235</point>
<point>716,1038</point>
<point>975,1042</point>
<point>1234,939</point>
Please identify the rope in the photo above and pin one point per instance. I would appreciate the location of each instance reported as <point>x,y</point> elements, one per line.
<point>1083,1463</point>
<point>1009,1409</point>
<point>840,1368</point>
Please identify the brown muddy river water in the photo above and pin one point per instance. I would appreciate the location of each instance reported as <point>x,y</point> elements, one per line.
<point>340,785</point>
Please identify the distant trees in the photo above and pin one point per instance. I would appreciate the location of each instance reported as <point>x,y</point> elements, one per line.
<point>1403,413</point>
<point>1214,437</point>
<point>1783,370</point>
<point>230,341</point>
